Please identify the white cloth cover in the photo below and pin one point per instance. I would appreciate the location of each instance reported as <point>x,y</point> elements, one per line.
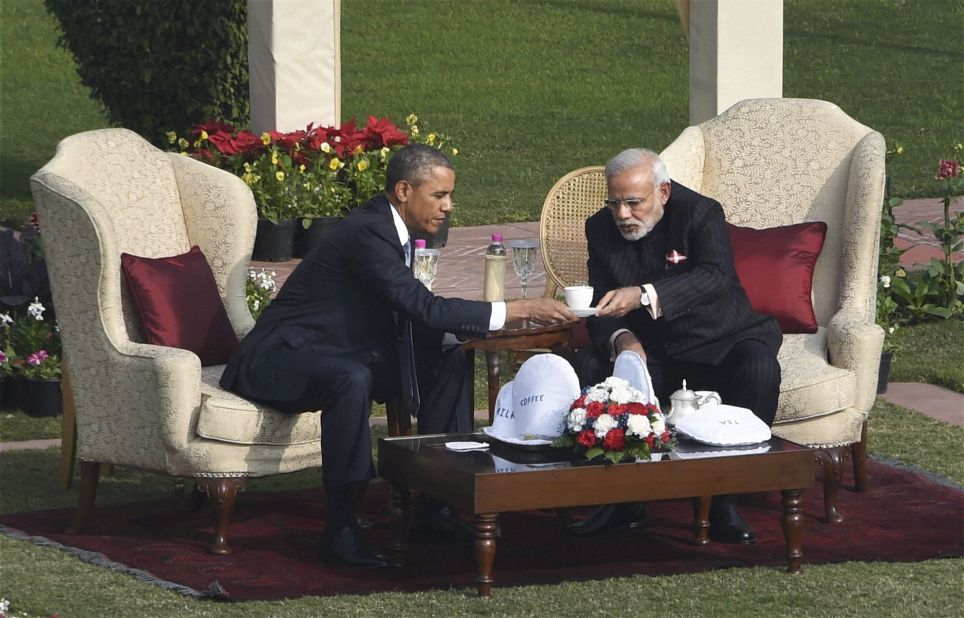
<point>630,367</point>
<point>534,405</point>
<point>723,425</point>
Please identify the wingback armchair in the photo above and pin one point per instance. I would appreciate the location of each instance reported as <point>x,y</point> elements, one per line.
<point>107,192</point>
<point>775,162</point>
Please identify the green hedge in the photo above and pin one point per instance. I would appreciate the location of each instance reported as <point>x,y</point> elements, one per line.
<point>160,66</point>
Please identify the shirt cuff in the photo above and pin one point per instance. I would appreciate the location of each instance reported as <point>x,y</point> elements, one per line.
<point>654,309</point>
<point>612,342</point>
<point>497,317</point>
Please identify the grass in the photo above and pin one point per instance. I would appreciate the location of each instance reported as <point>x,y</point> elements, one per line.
<point>535,89</point>
<point>932,352</point>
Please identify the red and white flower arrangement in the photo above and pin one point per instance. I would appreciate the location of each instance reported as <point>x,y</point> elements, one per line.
<point>612,420</point>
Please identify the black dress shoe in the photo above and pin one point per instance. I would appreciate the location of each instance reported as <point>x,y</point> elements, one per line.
<point>443,525</point>
<point>610,517</point>
<point>727,526</point>
<point>349,547</point>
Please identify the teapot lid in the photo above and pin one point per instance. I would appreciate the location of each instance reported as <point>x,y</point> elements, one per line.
<point>684,394</point>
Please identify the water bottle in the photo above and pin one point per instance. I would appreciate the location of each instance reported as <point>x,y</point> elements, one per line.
<point>493,288</point>
<point>425,265</point>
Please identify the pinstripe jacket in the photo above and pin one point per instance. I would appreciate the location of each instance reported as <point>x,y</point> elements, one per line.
<point>705,309</point>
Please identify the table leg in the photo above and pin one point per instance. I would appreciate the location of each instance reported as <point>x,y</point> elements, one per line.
<point>485,525</point>
<point>492,366</point>
<point>701,519</point>
<point>793,528</point>
<point>400,498</point>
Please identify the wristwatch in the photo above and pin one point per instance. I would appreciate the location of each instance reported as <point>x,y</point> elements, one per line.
<point>643,297</point>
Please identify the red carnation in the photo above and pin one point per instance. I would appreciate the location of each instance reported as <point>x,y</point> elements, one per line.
<point>586,438</point>
<point>947,169</point>
<point>635,407</point>
<point>594,409</point>
<point>650,440</point>
<point>615,440</point>
<point>664,437</point>
<point>579,403</point>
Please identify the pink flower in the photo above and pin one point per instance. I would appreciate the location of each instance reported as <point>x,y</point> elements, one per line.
<point>37,358</point>
<point>3,358</point>
<point>947,169</point>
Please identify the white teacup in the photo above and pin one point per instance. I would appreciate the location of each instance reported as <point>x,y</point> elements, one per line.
<point>578,296</point>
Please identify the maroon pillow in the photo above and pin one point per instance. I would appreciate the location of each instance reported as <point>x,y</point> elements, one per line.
<point>775,266</point>
<point>179,305</point>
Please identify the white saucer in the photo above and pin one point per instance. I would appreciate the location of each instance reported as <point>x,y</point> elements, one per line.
<point>588,312</point>
<point>466,446</point>
<point>518,441</point>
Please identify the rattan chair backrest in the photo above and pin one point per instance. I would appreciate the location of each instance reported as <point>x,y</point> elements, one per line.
<point>562,228</point>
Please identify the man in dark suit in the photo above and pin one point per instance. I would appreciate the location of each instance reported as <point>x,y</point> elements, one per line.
<point>661,266</point>
<point>339,334</point>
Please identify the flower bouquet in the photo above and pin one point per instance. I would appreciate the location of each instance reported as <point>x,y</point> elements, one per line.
<point>612,421</point>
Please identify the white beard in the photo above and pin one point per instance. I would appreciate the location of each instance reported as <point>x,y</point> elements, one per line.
<point>636,229</point>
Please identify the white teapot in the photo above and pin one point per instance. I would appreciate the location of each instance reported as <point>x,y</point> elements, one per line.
<point>685,402</point>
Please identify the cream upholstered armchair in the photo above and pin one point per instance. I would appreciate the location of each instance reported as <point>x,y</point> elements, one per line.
<point>775,162</point>
<point>107,192</point>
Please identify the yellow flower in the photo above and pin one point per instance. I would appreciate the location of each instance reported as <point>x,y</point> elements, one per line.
<point>250,178</point>
<point>171,137</point>
<point>455,151</point>
<point>301,168</point>
<point>431,139</point>
<point>384,151</point>
<point>900,149</point>
<point>900,272</point>
<point>280,176</point>
<point>204,135</point>
<point>274,157</point>
<point>182,143</point>
<point>265,138</point>
<point>412,119</point>
<point>414,129</point>
<point>362,165</point>
<point>359,149</point>
<point>325,148</point>
<point>183,154</point>
<point>334,164</point>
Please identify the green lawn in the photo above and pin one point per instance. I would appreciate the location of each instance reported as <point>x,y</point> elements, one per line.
<point>533,89</point>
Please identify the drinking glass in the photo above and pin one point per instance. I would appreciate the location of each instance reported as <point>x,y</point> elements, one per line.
<point>426,266</point>
<point>524,260</point>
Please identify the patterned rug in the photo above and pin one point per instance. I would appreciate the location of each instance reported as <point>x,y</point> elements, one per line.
<point>906,516</point>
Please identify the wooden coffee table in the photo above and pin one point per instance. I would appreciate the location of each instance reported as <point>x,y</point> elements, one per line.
<point>470,482</point>
<point>518,335</point>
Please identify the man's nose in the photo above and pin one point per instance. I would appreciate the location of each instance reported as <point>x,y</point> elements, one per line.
<point>447,204</point>
<point>623,212</point>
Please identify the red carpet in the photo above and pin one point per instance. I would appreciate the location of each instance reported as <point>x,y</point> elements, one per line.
<point>905,517</point>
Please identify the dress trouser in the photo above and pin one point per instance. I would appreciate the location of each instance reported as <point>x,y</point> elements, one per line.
<point>344,389</point>
<point>748,376</point>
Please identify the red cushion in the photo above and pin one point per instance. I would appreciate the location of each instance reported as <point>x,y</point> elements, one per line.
<point>179,305</point>
<point>775,266</point>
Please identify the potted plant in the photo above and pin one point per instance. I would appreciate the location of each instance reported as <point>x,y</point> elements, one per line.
<point>35,341</point>
<point>309,174</point>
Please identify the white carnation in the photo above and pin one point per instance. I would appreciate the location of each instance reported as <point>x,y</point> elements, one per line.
<point>638,425</point>
<point>658,425</point>
<point>603,424</point>
<point>597,394</point>
<point>577,419</point>
<point>623,394</point>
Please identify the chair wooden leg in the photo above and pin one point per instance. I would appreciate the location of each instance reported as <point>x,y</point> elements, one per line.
<point>832,460</point>
<point>89,475</point>
<point>68,431</point>
<point>222,493</point>
<point>858,451</point>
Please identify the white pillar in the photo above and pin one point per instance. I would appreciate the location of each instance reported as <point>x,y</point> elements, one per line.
<point>294,63</point>
<point>736,53</point>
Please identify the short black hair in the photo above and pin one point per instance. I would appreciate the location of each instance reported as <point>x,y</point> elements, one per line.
<point>414,163</point>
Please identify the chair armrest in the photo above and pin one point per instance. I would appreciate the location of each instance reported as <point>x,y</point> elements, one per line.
<point>856,344</point>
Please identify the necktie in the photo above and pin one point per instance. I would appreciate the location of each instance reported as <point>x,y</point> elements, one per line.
<point>406,354</point>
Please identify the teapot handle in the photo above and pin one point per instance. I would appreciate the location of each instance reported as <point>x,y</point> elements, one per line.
<point>709,397</point>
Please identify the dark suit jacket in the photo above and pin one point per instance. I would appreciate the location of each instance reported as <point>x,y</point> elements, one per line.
<point>345,300</point>
<point>705,309</point>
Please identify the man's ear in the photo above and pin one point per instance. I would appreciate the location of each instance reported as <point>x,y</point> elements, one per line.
<point>664,190</point>
<point>402,191</point>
